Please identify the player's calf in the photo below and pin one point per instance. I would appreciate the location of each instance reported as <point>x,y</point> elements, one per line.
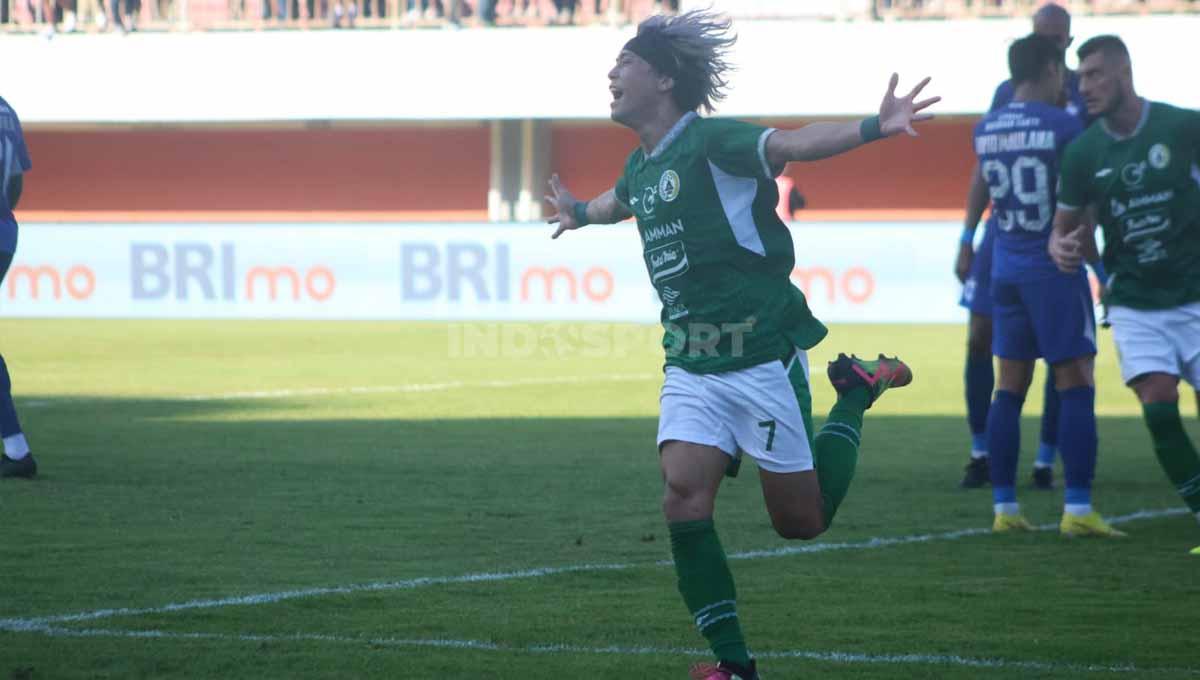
<point>794,503</point>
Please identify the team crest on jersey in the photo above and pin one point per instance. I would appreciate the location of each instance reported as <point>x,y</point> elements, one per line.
<point>649,199</point>
<point>1160,156</point>
<point>668,186</point>
<point>1133,174</point>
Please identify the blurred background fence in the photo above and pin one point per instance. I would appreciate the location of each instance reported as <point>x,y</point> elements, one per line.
<point>192,15</point>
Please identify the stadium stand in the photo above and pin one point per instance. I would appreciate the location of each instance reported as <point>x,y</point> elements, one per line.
<point>179,15</point>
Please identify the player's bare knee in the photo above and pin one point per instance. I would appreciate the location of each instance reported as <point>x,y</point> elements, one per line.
<point>802,523</point>
<point>979,337</point>
<point>798,528</point>
<point>1153,388</point>
<point>979,348</point>
<point>683,501</point>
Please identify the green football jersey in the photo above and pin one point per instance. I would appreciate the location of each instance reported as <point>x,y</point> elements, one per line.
<point>1146,191</point>
<point>717,253</point>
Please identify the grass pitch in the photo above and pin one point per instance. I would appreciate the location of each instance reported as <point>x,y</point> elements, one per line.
<point>353,500</point>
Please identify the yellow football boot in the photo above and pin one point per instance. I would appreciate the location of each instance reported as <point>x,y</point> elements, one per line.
<point>1004,523</point>
<point>1091,524</point>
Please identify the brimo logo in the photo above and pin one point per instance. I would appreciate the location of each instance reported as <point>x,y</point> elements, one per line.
<point>156,271</point>
<point>79,282</point>
<point>431,271</point>
<point>855,285</point>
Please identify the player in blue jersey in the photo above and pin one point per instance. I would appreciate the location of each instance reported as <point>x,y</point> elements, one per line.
<point>1038,311</point>
<point>16,460</point>
<point>974,270</point>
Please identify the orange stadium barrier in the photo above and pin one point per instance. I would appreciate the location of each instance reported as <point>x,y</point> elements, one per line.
<point>421,173</point>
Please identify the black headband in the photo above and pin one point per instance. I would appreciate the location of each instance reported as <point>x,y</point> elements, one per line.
<point>656,52</point>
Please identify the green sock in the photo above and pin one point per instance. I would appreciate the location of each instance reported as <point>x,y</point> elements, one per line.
<point>1174,449</point>
<point>707,588</point>
<point>835,449</point>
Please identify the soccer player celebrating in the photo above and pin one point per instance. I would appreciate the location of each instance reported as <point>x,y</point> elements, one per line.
<point>974,270</point>
<point>704,196</point>
<point>16,460</point>
<point>1139,168</point>
<point>1038,310</point>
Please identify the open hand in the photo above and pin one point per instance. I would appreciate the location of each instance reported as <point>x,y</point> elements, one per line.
<point>564,207</point>
<point>899,115</point>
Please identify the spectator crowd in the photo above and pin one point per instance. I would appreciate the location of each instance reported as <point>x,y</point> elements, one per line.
<point>128,15</point>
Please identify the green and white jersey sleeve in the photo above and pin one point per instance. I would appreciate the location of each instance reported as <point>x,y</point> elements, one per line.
<point>739,149</point>
<point>1145,188</point>
<point>717,254</point>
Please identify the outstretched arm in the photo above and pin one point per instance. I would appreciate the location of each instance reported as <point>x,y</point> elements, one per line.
<point>822,140</point>
<point>604,209</point>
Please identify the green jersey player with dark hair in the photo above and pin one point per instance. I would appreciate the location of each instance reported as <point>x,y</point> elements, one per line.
<point>1139,169</point>
<point>736,329</point>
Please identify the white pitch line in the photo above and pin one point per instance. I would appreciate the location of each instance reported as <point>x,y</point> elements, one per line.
<point>36,624</point>
<point>370,389</point>
<point>925,538</point>
<point>420,387</point>
<point>617,650</point>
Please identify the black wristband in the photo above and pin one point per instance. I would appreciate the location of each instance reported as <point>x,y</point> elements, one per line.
<point>870,130</point>
<point>580,213</point>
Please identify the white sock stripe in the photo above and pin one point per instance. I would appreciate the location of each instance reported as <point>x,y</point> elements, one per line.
<point>709,622</point>
<point>35,624</point>
<point>699,613</point>
<point>617,650</point>
<point>842,427</point>
<point>835,433</point>
<point>1190,487</point>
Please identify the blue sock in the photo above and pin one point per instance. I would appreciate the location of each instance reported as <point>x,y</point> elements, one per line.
<point>9,425</point>
<point>1049,440</point>
<point>1004,494</point>
<point>980,380</point>
<point>1045,455</point>
<point>1077,496</point>
<point>1004,440</point>
<point>979,442</point>
<point>1077,435</point>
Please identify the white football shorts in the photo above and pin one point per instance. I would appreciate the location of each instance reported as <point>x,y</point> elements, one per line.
<point>761,410</point>
<point>1158,341</point>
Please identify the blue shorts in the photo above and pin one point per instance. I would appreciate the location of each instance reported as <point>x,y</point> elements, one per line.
<point>1051,318</point>
<point>976,294</point>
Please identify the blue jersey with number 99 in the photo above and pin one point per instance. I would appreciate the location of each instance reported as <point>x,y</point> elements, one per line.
<point>1019,147</point>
